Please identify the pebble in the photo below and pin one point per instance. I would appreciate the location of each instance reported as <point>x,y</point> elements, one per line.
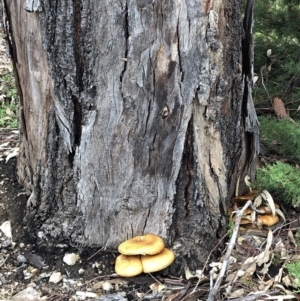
<point>55,277</point>
<point>6,229</point>
<point>107,286</point>
<point>6,243</point>
<point>71,258</point>
<point>2,279</point>
<point>21,258</point>
<point>27,274</point>
<point>86,294</point>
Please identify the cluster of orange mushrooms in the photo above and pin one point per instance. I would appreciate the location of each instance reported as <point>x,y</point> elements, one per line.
<point>264,216</point>
<point>145,253</point>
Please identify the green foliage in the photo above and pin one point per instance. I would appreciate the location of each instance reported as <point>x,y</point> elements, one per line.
<point>8,115</point>
<point>294,270</point>
<point>276,28</point>
<point>8,101</point>
<point>297,238</point>
<point>8,87</point>
<point>281,180</point>
<point>281,136</point>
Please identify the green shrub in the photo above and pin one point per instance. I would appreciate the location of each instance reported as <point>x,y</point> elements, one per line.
<point>281,180</point>
<point>8,86</point>
<point>9,115</point>
<point>8,101</point>
<point>294,270</point>
<point>279,72</point>
<point>281,136</point>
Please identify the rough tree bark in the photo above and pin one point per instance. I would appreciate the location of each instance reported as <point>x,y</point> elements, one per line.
<point>134,119</point>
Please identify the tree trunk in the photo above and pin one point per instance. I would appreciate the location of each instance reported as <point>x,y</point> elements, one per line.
<point>134,119</point>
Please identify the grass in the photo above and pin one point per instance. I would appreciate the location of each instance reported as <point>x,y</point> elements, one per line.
<point>281,180</point>
<point>8,101</point>
<point>282,137</point>
<point>294,270</point>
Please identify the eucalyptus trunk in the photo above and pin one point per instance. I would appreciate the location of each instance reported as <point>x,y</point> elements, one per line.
<point>134,119</point>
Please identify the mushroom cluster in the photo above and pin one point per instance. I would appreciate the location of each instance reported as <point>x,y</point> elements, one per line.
<point>267,212</point>
<point>145,253</point>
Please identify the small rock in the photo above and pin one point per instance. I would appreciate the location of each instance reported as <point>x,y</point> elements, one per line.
<point>113,297</point>
<point>6,243</point>
<point>2,279</point>
<point>6,229</point>
<point>32,270</point>
<point>70,281</point>
<point>84,295</point>
<point>45,275</point>
<point>28,294</point>
<point>21,258</point>
<point>70,258</point>
<point>34,259</point>
<point>55,277</point>
<point>80,294</point>
<point>81,271</point>
<point>107,286</point>
<point>27,274</point>
<point>91,295</point>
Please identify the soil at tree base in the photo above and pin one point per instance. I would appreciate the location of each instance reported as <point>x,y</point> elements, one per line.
<point>94,263</point>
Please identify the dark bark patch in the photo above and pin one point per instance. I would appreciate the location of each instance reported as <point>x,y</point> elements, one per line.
<point>77,120</point>
<point>186,162</point>
<point>77,44</point>
<point>171,69</point>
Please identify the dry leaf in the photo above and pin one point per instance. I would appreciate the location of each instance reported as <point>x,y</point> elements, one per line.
<point>250,271</point>
<point>13,153</point>
<point>278,277</point>
<point>265,269</point>
<point>247,182</point>
<point>291,237</point>
<point>267,197</point>
<point>236,294</point>
<point>257,201</point>
<point>279,108</point>
<point>280,213</point>
<point>188,274</point>
<point>157,287</point>
<point>9,112</point>
<point>269,52</point>
<point>172,297</point>
<point>265,255</point>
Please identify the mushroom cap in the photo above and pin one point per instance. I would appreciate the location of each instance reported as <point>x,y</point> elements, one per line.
<point>268,219</point>
<point>128,266</point>
<point>148,244</point>
<point>154,263</point>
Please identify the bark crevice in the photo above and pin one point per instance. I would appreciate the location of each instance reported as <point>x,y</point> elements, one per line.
<point>126,36</point>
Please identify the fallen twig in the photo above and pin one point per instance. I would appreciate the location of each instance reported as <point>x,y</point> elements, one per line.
<point>213,292</point>
<point>256,296</point>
